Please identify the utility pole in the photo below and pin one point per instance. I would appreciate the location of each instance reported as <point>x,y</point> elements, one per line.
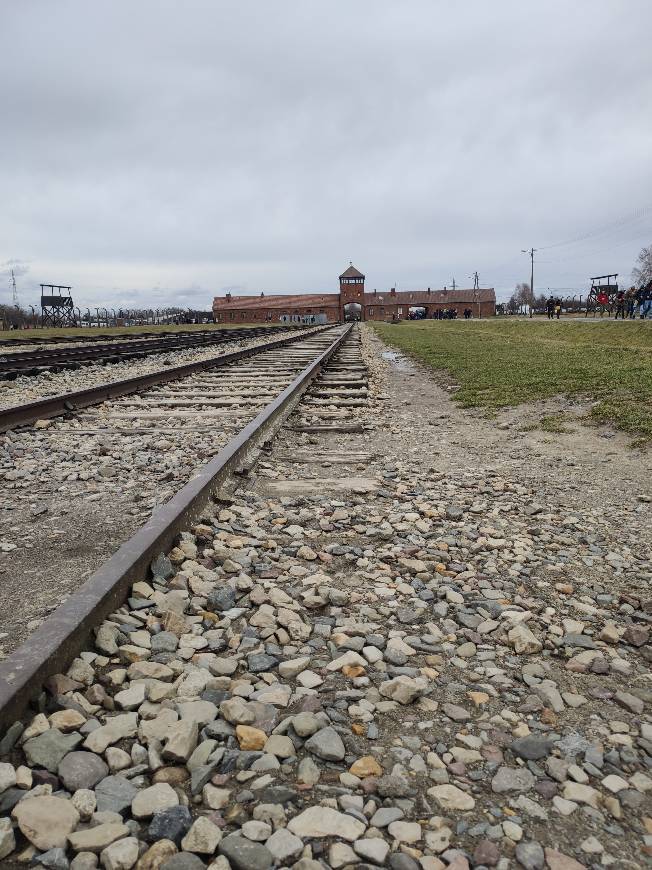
<point>476,292</point>
<point>454,285</point>
<point>14,291</point>
<point>531,252</point>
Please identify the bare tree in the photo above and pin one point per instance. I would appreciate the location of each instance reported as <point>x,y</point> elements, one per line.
<point>642,271</point>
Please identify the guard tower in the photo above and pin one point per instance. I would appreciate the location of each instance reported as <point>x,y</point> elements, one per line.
<point>57,308</point>
<point>351,294</point>
<point>602,297</point>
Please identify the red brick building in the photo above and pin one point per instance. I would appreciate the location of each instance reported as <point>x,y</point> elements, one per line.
<point>351,301</point>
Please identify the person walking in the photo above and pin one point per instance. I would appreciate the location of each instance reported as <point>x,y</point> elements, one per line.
<point>620,304</point>
<point>646,300</point>
<point>550,307</point>
<point>630,302</point>
<point>558,307</point>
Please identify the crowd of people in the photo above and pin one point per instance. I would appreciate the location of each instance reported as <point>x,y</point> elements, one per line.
<point>634,301</point>
<point>628,304</point>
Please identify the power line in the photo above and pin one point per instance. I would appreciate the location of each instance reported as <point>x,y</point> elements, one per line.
<point>637,215</point>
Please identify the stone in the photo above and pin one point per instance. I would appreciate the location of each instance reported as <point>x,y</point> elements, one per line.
<point>7,838</point>
<point>81,770</point>
<point>114,794</point>
<point>558,861</point>
<point>292,668</point>
<point>7,777</point>
<point>121,855</point>
<point>245,854</point>
<point>48,749</point>
<point>215,798</point>
<point>203,837</point>
<point>308,772</point>
<point>153,800</point>
<point>531,748</point>
<point>98,838</point>
<point>280,746</point>
<point>249,738</point>
<point>523,640</point>
<point>629,702</point>
<point>529,854</point>
<point>317,821</point>
<point>405,832</point>
<point>237,712</point>
<point>46,821</point>
<point>374,849</point>
<point>55,859</point>
<point>283,845</point>
<point>306,724</point>
<point>84,861</point>
<point>512,779</point>
<point>366,766</point>
<point>182,741</point>
<point>486,854</point>
<point>171,824</point>
<point>581,794</point>
<point>115,729</point>
<point>183,861</point>
<point>450,797</point>
<point>156,855</point>
<point>326,744</point>
<point>403,689</point>
<point>85,802</point>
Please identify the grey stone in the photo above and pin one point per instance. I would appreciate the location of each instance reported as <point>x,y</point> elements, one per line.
<point>531,748</point>
<point>171,824</point>
<point>259,662</point>
<point>161,566</point>
<point>54,858</point>
<point>183,861</point>
<point>115,794</point>
<point>530,855</point>
<point>164,641</point>
<point>245,854</point>
<point>326,744</point>
<point>221,599</point>
<point>48,749</point>
<point>512,779</point>
<point>81,770</point>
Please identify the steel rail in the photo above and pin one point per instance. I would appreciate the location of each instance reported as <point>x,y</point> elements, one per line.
<point>64,403</point>
<point>64,633</point>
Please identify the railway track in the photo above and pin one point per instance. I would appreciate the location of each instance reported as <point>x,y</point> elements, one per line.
<point>36,362</point>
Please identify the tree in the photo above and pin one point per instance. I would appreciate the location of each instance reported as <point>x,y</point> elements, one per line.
<point>642,272</point>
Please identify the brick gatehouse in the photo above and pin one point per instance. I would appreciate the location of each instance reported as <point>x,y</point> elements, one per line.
<point>351,301</point>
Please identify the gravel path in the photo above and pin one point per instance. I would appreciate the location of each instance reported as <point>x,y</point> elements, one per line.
<point>420,646</point>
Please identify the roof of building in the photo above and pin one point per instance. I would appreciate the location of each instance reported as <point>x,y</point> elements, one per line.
<point>297,300</point>
<point>351,272</point>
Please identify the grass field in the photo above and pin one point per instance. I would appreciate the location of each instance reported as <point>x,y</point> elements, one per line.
<point>499,363</point>
<point>90,332</point>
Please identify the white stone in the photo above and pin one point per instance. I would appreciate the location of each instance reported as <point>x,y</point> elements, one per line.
<point>154,799</point>
<point>320,821</point>
<point>121,855</point>
<point>202,838</point>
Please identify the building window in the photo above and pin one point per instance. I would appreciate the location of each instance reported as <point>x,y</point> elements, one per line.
<point>371,312</point>
<point>243,315</point>
<point>382,310</point>
<point>400,311</point>
<point>231,316</point>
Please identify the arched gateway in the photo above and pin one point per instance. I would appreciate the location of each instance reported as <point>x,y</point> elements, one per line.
<point>351,294</point>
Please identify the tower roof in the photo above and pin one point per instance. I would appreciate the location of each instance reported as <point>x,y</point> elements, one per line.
<point>351,272</point>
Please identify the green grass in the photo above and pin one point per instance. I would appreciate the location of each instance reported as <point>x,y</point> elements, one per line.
<point>500,363</point>
<point>89,332</point>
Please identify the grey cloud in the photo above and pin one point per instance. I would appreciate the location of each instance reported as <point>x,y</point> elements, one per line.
<point>158,152</point>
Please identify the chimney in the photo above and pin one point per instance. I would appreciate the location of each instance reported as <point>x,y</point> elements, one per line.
<point>375,292</point>
<point>261,294</point>
<point>393,291</point>
<point>228,297</point>
<point>428,289</point>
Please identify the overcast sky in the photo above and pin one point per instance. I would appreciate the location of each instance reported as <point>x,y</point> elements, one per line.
<point>158,152</point>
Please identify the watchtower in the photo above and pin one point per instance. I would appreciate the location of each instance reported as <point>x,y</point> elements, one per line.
<point>57,309</point>
<point>351,294</point>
